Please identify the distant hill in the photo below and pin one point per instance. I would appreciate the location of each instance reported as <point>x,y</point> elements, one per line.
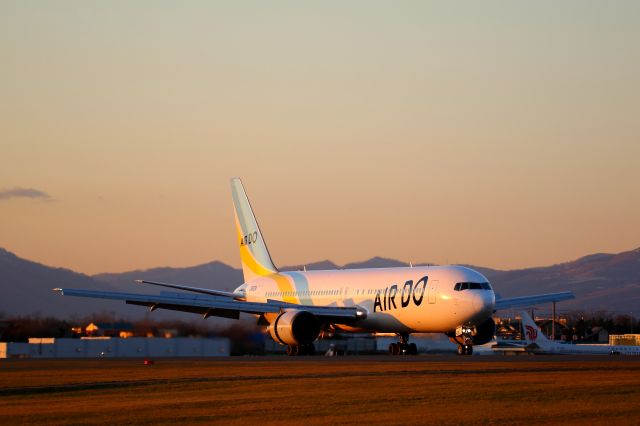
<point>214,275</point>
<point>26,289</point>
<point>376,262</point>
<point>600,282</point>
<point>323,265</point>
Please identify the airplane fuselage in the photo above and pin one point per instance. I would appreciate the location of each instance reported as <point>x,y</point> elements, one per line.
<point>587,349</point>
<point>414,299</point>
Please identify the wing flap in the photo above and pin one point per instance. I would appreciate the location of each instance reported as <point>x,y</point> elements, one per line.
<point>206,312</point>
<point>515,302</point>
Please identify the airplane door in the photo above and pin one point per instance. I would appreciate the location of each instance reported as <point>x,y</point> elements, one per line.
<point>432,289</point>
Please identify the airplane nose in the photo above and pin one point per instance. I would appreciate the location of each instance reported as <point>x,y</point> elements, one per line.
<point>484,301</point>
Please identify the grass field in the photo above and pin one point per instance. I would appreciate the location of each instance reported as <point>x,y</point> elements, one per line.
<point>317,390</point>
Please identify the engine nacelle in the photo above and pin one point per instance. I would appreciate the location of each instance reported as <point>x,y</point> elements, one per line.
<point>479,334</point>
<point>295,328</point>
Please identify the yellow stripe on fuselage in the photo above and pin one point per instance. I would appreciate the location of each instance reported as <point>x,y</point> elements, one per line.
<point>284,285</point>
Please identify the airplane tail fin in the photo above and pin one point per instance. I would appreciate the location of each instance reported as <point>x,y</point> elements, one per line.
<point>532,332</point>
<point>254,255</point>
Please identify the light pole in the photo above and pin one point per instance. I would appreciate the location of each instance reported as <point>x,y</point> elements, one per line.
<point>553,322</point>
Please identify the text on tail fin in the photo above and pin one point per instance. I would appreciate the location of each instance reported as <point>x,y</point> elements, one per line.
<point>254,255</point>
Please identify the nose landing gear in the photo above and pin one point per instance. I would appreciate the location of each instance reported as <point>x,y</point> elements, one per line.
<point>465,349</point>
<point>403,347</point>
<point>464,336</point>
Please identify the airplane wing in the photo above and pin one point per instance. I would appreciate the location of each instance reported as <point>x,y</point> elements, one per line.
<point>192,289</point>
<point>515,302</point>
<point>215,305</point>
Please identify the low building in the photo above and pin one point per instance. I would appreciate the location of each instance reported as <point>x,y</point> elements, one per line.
<point>363,343</point>
<point>106,347</point>
<point>352,346</point>
<point>14,350</point>
<point>624,339</point>
<point>111,329</point>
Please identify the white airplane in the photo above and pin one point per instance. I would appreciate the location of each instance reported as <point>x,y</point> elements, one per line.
<point>505,347</point>
<point>538,343</point>
<point>298,307</point>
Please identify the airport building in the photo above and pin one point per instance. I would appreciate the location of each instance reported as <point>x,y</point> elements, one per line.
<point>106,347</point>
<point>624,339</point>
<point>351,346</point>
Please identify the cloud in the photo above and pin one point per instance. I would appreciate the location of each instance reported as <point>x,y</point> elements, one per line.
<point>17,192</point>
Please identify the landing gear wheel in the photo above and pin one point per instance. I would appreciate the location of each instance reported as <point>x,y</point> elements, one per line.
<point>461,350</point>
<point>310,349</point>
<point>394,349</point>
<point>413,349</point>
<point>469,350</point>
<point>292,350</point>
<point>403,347</point>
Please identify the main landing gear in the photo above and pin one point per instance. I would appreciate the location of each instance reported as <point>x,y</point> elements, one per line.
<point>403,347</point>
<point>296,350</point>
<point>465,349</point>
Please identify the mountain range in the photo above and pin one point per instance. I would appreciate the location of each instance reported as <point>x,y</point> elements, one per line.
<point>600,281</point>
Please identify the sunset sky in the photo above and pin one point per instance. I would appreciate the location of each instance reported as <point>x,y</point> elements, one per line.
<point>501,134</point>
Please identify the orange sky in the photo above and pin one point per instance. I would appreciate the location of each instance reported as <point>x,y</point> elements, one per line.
<point>497,134</point>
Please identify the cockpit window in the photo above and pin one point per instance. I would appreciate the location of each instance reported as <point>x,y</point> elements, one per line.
<point>472,286</point>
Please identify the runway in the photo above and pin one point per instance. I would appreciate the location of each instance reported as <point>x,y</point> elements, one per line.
<point>431,389</point>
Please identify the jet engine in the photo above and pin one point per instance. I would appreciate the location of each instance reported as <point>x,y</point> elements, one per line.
<point>479,334</point>
<point>295,328</point>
